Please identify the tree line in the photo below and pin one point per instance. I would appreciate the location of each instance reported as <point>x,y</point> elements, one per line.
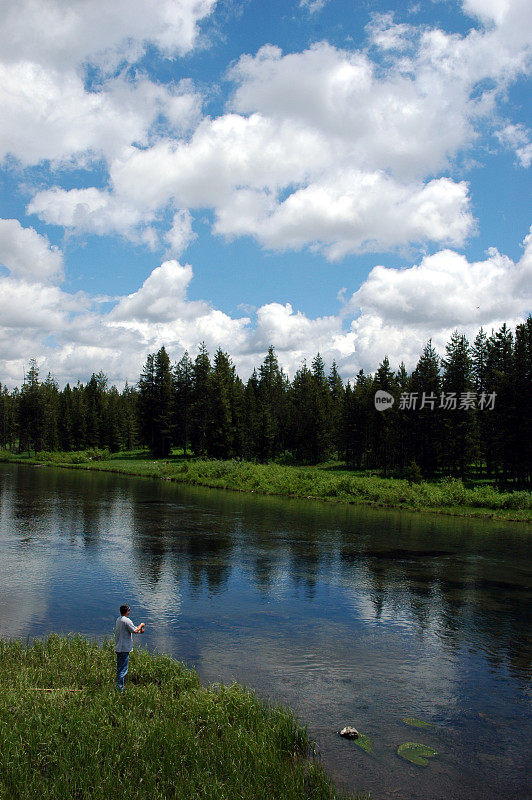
<point>468,410</point>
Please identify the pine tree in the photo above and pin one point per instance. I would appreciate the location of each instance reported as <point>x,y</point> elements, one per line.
<point>7,419</point>
<point>114,421</point>
<point>65,421</point>
<point>96,401</point>
<point>358,407</point>
<point>271,408</point>
<point>164,404</point>
<point>302,429</point>
<point>479,356</point>
<point>384,423</point>
<point>252,426</point>
<point>183,386</point>
<point>405,446</point>
<point>129,405</point>
<point>336,404</point>
<point>79,417</point>
<point>31,411</point>
<point>199,410</point>
<point>459,423</point>
<point>50,400</point>
<point>499,381</point>
<point>147,402</point>
<point>426,418</point>
<point>219,430</point>
<point>323,424</point>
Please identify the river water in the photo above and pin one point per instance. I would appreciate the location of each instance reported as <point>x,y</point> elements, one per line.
<point>349,616</point>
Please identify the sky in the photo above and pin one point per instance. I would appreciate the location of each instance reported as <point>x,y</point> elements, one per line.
<point>349,178</point>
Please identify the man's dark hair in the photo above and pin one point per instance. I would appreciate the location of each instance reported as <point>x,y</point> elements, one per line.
<point>124,609</point>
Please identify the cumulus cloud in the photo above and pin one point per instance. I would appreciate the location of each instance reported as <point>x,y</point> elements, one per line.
<point>401,309</point>
<point>63,34</point>
<point>27,254</point>
<point>49,115</point>
<point>50,111</point>
<point>354,212</point>
<point>394,313</point>
<point>327,148</point>
<point>242,166</point>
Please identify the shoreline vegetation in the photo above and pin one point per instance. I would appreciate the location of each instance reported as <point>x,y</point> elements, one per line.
<point>66,732</point>
<point>326,482</point>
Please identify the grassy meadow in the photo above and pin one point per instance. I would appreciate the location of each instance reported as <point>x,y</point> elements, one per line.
<point>327,482</point>
<point>65,732</point>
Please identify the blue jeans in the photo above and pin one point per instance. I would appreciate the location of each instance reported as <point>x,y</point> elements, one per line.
<point>122,664</point>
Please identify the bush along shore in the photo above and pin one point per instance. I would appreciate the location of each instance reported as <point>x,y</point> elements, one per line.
<point>65,732</point>
<point>326,482</point>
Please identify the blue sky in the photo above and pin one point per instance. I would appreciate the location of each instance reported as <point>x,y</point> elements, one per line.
<point>352,178</point>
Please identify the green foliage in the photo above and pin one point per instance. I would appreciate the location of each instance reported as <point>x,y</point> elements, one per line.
<point>166,736</point>
<point>416,753</point>
<point>413,473</point>
<point>417,723</point>
<point>74,457</point>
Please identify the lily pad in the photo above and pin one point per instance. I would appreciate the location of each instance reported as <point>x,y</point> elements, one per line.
<point>416,753</point>
<point>364,742</point>
<point>417,723</point>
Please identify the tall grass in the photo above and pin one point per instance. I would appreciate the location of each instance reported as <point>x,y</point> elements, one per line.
<point>449,495</point>
<point>165,737</point>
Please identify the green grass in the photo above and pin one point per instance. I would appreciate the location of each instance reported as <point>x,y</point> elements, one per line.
<point>166,737</point>
<point>324,482</point>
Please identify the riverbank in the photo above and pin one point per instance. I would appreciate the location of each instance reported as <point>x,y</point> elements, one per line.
<point>66,732</point>
<point>323,482</point>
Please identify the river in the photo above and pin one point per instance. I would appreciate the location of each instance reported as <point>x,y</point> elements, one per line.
<point>347,615</point>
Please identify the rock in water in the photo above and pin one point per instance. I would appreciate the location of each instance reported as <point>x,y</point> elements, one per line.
<point>349,732</point>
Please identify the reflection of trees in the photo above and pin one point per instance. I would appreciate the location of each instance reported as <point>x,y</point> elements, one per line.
<point>47,501</point>
<point>163,535</point>
<point>455,593</point>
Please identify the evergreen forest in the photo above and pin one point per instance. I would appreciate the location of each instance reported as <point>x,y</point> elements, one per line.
<point>466,413</point>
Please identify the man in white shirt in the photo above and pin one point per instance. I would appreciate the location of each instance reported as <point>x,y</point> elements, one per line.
<point>124,630</point>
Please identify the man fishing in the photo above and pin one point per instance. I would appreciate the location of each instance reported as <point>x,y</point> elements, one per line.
<point>124,630</point>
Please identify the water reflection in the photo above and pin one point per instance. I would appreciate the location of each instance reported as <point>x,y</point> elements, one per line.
<point>348,615</point>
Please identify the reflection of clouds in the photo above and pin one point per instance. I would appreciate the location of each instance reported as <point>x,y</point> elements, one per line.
<point>163,599</point>
<point>24,576</point>
<point>23,603</point>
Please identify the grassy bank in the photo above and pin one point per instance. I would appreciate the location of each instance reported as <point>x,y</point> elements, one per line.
<point>66,733</point>
<point>325,482</point>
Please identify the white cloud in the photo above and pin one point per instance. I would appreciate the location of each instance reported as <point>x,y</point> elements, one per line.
<point>402,309</point>
<point>387,35</point>
<point>49,115</point>
<point>394,312</point>
<point>490,10</point>
<point>85,210</point>
<point>312,6</point>
<point>518,139</point>
<point>63,34</point>
<point>242,166</point>
<point>354,212</point>
<point>325,148</point>
<point>180,234</point>
<point>27,254</point>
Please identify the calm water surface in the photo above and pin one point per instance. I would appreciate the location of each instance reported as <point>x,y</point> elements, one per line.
<point>349,616</point>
